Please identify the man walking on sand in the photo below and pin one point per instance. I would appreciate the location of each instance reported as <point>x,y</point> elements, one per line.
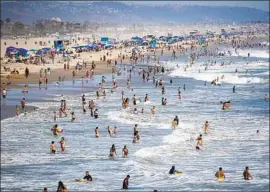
<point>26,73</point>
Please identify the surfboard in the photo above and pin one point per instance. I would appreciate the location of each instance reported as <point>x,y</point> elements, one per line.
<point>135,188</point>
<point>79,180</point>
<point>138,101</point>
<point>178,173</point>
<point>220,179</point>
<point>174,123</point>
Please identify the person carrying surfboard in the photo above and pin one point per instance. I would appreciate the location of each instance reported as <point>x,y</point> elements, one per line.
<point>246,174</point>
<point>220,174</point>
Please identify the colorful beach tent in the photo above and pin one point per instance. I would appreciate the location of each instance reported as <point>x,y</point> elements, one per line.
<point>22,51</point>
<point>11,50</point>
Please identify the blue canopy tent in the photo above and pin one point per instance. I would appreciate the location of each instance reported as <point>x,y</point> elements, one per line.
<point>22,52</point>
<point>11,50</point>
<point>108,46</point>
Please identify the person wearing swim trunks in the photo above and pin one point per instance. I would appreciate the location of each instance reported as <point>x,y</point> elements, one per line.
<point>206,127</point>
<point>125,182</point>
<point>153,110</point>
<point>87,177</point>
<point>96,113</point>
<point>220,173</point>
<point>125,152</point>
<point>246,174</point>
<point>53,148</point>
<point>199,141</point>
<point>63,144</point>
<point>97,132</point>
<point>23,104</point>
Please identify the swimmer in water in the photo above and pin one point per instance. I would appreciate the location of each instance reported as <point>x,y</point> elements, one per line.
<point>265,97</point>
<point>73,117</point>
<point>54,116</point>
<point>53,148</point>
<point>146,98</point>
<point>17,110</point>
<point>115,131</point>
<point>113,152</point>
<point>206,127</point>
<point>63,144</point>
<point>179,95</point>
<point>125,152</point>
<point>97,132</point>
<point>153,110</point>
<point>199,142</point>
<point>246,174</point>
<point>109,131</point>
<point>135,111</point>
<point>220,173</point>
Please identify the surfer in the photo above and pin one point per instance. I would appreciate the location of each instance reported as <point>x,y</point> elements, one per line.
<point>172,170</point>
<point>234,89</point>
<point>113,152</point>
<point>206,127</point>
<point>125,182</point>
<point>176,119</point>
<point>53,148</point>
<point>87,177</point>
<point>125,152</point>
<point>246,174</point>
<point>97,132</point>
<point>220,173</point>
<point>63,144</point>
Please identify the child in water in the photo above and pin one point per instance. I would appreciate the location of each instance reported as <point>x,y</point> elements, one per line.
<point>53,148</point>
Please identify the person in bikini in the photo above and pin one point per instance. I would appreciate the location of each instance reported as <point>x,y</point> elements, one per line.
<point>97,132</point>
<point>125,152</point>
<point>63,144</point>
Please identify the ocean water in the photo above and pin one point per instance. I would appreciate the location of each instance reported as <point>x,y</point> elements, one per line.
<point>232,142</point>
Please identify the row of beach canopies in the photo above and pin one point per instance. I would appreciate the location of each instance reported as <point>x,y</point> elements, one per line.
<point>26,53</point>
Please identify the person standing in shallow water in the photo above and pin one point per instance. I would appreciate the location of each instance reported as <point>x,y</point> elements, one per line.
<point>125,182</point>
